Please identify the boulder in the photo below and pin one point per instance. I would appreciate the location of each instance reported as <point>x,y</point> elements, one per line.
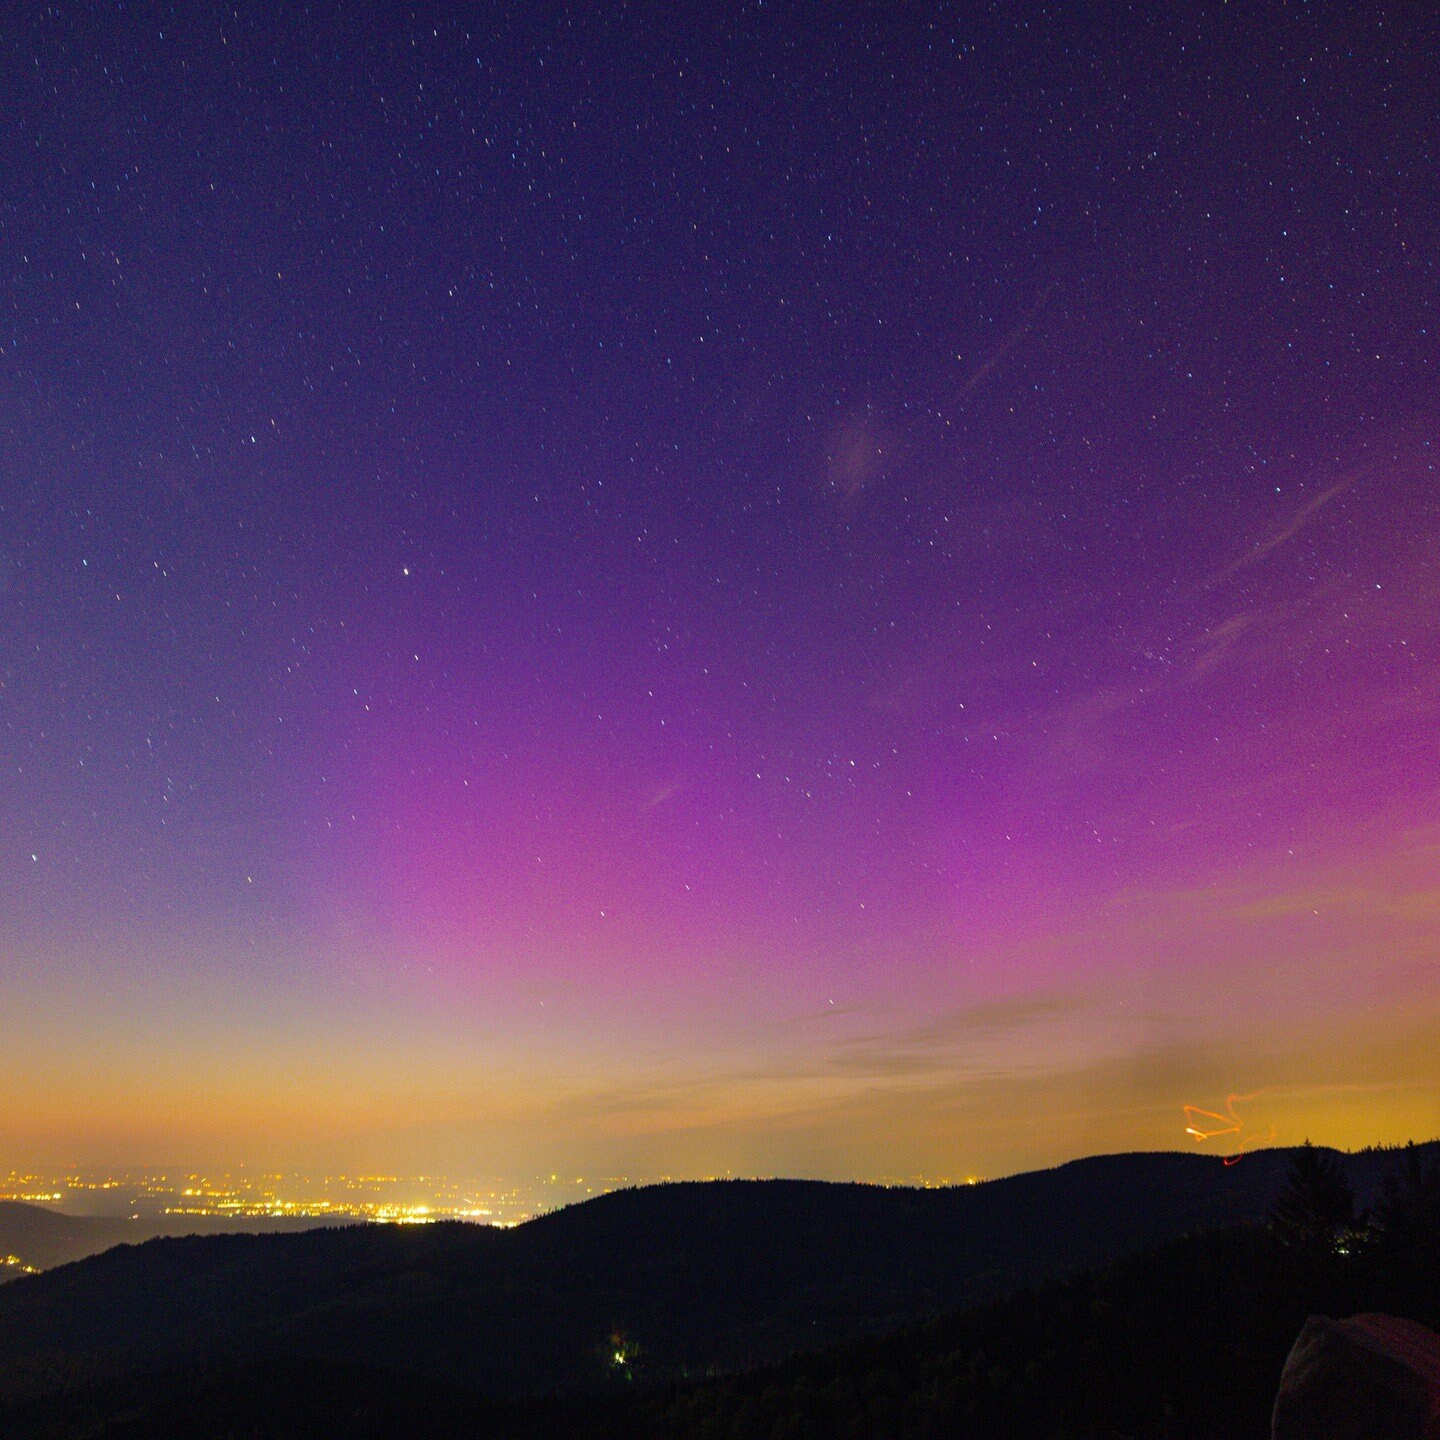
<point>1364,1378</point>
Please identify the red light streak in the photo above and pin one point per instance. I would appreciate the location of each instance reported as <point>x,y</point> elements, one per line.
<point>1229,1123</point>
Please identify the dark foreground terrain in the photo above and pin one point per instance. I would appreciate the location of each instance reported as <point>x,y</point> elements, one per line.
<point>737,1309</point>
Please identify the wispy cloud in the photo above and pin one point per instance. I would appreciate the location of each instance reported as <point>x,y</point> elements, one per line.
<point>1214,646</point>
<point>660,795</point>
<point>830,1012</point>
<point>1349,1082</point>
<point>1288,531</point>
<point>1394,883</point>
<point>1002,351</point>
<point>866,450</point>
<point>966,1043</point>
<point>973,1040</point>
<point>992,1017</point>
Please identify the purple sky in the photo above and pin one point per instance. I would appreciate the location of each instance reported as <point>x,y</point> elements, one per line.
<point>849,595</point>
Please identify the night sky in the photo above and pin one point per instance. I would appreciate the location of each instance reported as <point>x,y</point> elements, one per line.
<point>842,591</point>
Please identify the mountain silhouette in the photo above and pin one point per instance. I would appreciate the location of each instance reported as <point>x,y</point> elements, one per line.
<point>675,1280</point>
<point>44,1238</point>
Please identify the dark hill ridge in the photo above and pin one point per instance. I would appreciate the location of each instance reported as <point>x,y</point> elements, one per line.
<point>43,1238</point>
<point>699,1276</point>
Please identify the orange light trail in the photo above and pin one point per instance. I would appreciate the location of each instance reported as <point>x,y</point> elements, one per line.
<point>1227,1124</point>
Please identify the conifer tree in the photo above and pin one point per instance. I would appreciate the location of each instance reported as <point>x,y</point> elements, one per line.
<point>1316,1209</point>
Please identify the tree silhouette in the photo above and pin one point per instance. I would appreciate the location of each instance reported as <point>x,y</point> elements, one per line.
<point>1316,1209</point>
<point>1407,1240</point>
<point>1410,1200</point>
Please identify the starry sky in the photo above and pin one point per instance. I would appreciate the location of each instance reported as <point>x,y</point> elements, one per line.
<point>672,589</point>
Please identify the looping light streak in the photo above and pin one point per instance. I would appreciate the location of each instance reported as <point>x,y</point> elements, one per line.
<point>1228,1123</point>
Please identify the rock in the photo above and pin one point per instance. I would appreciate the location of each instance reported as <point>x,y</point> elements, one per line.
<point>1364,1378</point>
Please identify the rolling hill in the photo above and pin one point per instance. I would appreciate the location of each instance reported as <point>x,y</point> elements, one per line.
<point>675,1280</point>
<point>42,1238</point>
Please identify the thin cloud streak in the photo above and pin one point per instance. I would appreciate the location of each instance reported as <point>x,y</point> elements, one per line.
<point>1297,522</point>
